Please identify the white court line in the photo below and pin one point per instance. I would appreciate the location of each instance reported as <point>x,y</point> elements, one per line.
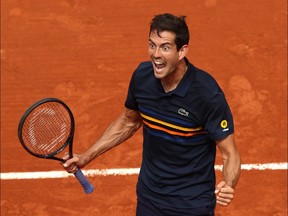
<point>122,171</point>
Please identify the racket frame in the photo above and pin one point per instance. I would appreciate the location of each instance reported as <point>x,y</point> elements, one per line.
<point>69,140</point>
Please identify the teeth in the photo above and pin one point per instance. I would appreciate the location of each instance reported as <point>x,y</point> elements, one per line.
<point>158,63</point>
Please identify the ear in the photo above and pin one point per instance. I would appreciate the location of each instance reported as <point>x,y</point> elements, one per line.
<point>183,51</point>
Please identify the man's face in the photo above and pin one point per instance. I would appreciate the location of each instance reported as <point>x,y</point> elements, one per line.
<point>163,53</point>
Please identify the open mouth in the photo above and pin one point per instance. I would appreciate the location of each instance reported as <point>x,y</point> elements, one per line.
<point>159,64</point>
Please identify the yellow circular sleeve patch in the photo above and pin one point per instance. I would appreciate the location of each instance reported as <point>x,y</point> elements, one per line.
<point>224,123</point>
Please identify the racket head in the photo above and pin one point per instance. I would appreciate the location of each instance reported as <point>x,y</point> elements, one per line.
<point>46,128</point>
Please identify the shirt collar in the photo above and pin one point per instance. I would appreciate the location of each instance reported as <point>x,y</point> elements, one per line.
<point>186,81</point>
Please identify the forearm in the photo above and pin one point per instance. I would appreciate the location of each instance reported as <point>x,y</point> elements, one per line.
<point>119,131</point>
<point>231,168</point>
<point>231,160</point>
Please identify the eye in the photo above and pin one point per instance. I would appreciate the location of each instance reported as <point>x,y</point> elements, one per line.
<point>165,48</point>
<point>151,45</point>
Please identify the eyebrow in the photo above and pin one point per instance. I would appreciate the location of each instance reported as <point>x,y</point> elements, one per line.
<point>167,43</point>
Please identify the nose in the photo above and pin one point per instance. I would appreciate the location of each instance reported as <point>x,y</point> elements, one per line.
<point>157,52</point>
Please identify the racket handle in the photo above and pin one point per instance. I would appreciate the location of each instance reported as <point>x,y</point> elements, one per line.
<point>88,188</point>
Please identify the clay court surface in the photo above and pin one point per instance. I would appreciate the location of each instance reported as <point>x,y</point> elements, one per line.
<point>84,53</point>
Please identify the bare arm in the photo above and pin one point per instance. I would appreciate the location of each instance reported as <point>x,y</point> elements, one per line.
<point>231,160</point>
<point>120,130</point>
<point>231,170</point>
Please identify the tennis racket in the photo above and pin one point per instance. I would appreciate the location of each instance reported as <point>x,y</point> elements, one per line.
<point>46,128</point>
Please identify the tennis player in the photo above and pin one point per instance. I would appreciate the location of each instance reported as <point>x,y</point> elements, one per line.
<point>185,117</point>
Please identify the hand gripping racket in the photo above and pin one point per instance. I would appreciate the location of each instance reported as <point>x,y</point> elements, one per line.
<point>46,128</point>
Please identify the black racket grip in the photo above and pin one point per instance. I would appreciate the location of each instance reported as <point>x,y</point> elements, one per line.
<point>88,188</point>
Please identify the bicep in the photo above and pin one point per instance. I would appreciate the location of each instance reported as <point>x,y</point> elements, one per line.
<point>132,118</point>
<point>227,146</point>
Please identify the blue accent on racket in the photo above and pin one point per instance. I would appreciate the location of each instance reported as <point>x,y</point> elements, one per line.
<point>88,188</point>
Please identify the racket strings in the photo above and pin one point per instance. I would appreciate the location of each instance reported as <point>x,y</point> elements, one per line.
<point>47,129</point>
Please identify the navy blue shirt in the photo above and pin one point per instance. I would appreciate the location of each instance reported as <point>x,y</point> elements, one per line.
<point>179,132</point>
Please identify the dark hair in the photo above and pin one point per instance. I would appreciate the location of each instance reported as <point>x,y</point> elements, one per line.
<point>171,23</point>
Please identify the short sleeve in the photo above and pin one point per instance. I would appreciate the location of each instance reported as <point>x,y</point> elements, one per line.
<point>131,102</point>
<point>218,119</point>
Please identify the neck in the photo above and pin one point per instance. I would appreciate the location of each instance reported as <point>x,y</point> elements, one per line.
<point>171,82</point>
